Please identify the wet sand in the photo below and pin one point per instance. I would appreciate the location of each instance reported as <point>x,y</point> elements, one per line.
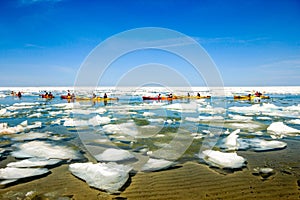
<point>188,181</point>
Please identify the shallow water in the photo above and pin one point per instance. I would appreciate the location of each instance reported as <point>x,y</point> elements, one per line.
<point>173,130</point>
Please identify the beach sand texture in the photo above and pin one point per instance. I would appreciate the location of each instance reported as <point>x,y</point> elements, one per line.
<point>188,181</point>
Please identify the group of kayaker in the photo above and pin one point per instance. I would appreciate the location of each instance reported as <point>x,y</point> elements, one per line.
<point>47,95</point>
<point>18,94</point>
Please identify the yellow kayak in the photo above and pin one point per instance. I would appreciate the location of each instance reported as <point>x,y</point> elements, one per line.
<point>95,99</point>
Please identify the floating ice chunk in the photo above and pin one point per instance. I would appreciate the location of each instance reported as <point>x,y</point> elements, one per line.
<point>100,110</point>
<point>43,149</point>
<point>156,164</point>
<point>265,145</point>
<point>34,162</point>
<point>34,125</point>
<point>114,155</point>
<point>30,136</point>
<point>240,117</point>
<point>18,173</point>
<point>157,120</point>
<point>148,114</point>
<point>278,129</point>
<point>26,104</point>
<point>223,160</point>
<point>54,113</point>
<point>212,110</point>
<point>293,108</point>
<point>180,107</point>
<point>4,129</point>
<point>72,122</point>
<point>293,121</point>
<point>35,115</point>
<point>128,128</point>
<point>57,121</point>
<point>264,118</point>
<point>192,119</point>
<point>231,140</point>
<point>109,177</point>
<point>249,125</point>
<point>211,118</point>
<point>3,111</point>
<point>98,120</point>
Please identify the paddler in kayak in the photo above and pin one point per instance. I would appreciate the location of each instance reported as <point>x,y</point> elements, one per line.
<point>159,96</point>
<point>105,96</point>
<point>50,95</point>
<point>198,94</point>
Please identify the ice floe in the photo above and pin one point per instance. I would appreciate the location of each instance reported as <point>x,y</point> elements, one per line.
<point>105,176</point>
<point>128,128</point>
<point>98,120</point>
<point>233,142</point>
<point>30,136</point>
<point>156,164</point>
<point>34,162</point>
<point>264,145</point>
<point>43,149</point>
<point>279,130</point>
<point>12,174</point>
<point>223,160</point>
<point>5,129</point>
<point>293,121</point>
<point>114,155</point>
<point>180,107</point>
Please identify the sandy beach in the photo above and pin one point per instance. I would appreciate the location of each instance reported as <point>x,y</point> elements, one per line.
<point>188,181</point>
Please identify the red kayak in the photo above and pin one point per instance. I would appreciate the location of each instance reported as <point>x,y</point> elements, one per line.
<point>66,97</point>
<point>157,98</point>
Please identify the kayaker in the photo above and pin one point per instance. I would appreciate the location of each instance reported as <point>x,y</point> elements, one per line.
<point>159,97</point>
<point>170,95</point>
<point>198,94</point>
<point>94,95</point>
<point>105,96</point>
<point>50,95</point>
<point>188,94</point>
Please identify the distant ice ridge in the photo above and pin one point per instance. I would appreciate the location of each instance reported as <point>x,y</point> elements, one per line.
<point>105,176</point>
<point>229,91</point>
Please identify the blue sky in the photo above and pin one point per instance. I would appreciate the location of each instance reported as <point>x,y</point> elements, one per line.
<point>44,42</point>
